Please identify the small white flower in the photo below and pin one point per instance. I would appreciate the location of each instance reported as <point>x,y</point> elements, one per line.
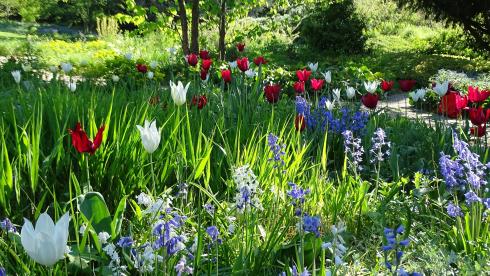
<point>115,78</point>
<point>336,94</point>
<point>327,76</point>
<point>150,75</point>
<point>16,75</point>
<point>233,64</point>
<point>250,73</point>
<point>82,229</point>
<point>128,56</point>
<point>66,67</point>
<point>72,85</point>
<point>153,64</point>
<point>179,92</point>
<point>144,199</point>
<point>441,88</point>
<point>351,92</point>
<point>371,86</point>
<point>103,237</point>
<point>313,66</point>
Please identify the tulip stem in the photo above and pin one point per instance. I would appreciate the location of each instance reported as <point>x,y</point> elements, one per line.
<point>152,174</point>
<point>88,173</point>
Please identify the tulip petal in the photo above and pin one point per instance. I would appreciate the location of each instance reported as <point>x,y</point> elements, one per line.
<point>28,237</point>
<point>61,234</point>
<point>45,253</point>
<point>44,224</point>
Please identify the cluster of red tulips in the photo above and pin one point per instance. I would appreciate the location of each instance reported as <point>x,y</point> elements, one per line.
<point>303,77</point>
<point>478,115</point>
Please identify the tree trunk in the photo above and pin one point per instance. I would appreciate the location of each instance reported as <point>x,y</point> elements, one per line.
<point>222,30</point>
<point>195,27</point>
<point>183,24</point>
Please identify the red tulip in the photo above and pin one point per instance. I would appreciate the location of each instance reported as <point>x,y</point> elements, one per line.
<point>317,84</point>
<point>81,142</point>
<point>370,100</point>
<point>303,75</point>
<point>451,104</point>
<point>191,59</point>
<point>204,74</point>
<point>142,68</point>
<point>204,54</point>
<point>240,46</point>
<point>260,60</point>
<point>242,64</point>
<point>299,87</point>
<point>478,116</point>
<point>387,85</point>
<point>199,101</point>
<point>475,96</point>
<point>226,75</point>
<point>478,131</point>
<point>272,92</point>
<point>300,122</point>
<point>206,64</point>
<point>406,85</point>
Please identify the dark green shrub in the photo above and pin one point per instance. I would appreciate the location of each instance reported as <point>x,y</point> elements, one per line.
<point>334,27</point>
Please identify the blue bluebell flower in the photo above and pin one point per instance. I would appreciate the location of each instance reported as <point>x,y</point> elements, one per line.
<point>277,150</point>
<point>471,197</point>
<point>7,226</point>
<point>311,224</point>
<point>380,149</point>
<point>125,242</point>
<point>213,232</point>
<point>454,210</point>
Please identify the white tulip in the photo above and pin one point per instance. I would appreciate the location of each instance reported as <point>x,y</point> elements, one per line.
<point>150,136</point>
<point>115,78</point>
<point>336,94</point>
<point>72,85</point>
<point>153,64</point>
<point>233,64</point>
<point>16,75</point>
<point>417,95</point>
<point>128,56</point>
<point>313,66</point>
<point>53,69</point>
<point>327,76</point>
<point>179,92</point>
<point>46,244</point>
<point>371,86</point>
<point>150,75</point>
<point>329,105</point>
<point>66,67</point>
<point>351,92</point>
<point>250,73</point>
<point>26,67</point>
<point>441,88</point>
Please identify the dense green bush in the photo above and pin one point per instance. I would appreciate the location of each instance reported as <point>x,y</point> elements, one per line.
<point>334,27</point>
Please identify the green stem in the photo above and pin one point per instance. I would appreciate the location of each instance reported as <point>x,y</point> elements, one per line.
<point>152,174</point>
<point>88,173</point>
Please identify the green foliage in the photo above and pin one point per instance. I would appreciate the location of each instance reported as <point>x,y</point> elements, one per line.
<point>334,27</point>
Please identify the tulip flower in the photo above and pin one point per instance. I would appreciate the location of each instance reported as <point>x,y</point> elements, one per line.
<point>240,46</point>
<point>72,85</point>
<point>233,64</point>
<point>370,100</point>
<point>478,116</point>
<point>204,75</point>
<point>441,88</point>
<point>206,64</point>
<point>199,101</point>
<point>272,92</point>
<point>300,122</point>
<point>317,84</point>
<point>336,94</point>
<point>179,92</point>
<point>303,75</point>
<point>313,66</point>
<point>242,64</point>
<point>299,87</point>
<point>351,92</point>
<point>150,75</point>
<point>115,78</point>
<point>16,75</point>
<point>451,104</point>
<point>406,85</point>
<point>142,68</point>
<point>418,94</point>
<point>226,75</point>
<point>250,73</point>
<point>66,67</point>
<point>81,142</point>
<point>475,96</point>
<point>260,60</point>
<point>150,136</point>
<point>478,131</point>
<point>204,54</point>
<point>329,105</point>
<point>191,59</point>
<point>327,76</point>
<point>47,243</point>
<point>371,86</point>
<point>387,85</point>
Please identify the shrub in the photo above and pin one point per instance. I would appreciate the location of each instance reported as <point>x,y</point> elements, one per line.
<point>334,27</point>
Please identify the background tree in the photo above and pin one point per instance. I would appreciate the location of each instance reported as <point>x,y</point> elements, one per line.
<point>472,15</point>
